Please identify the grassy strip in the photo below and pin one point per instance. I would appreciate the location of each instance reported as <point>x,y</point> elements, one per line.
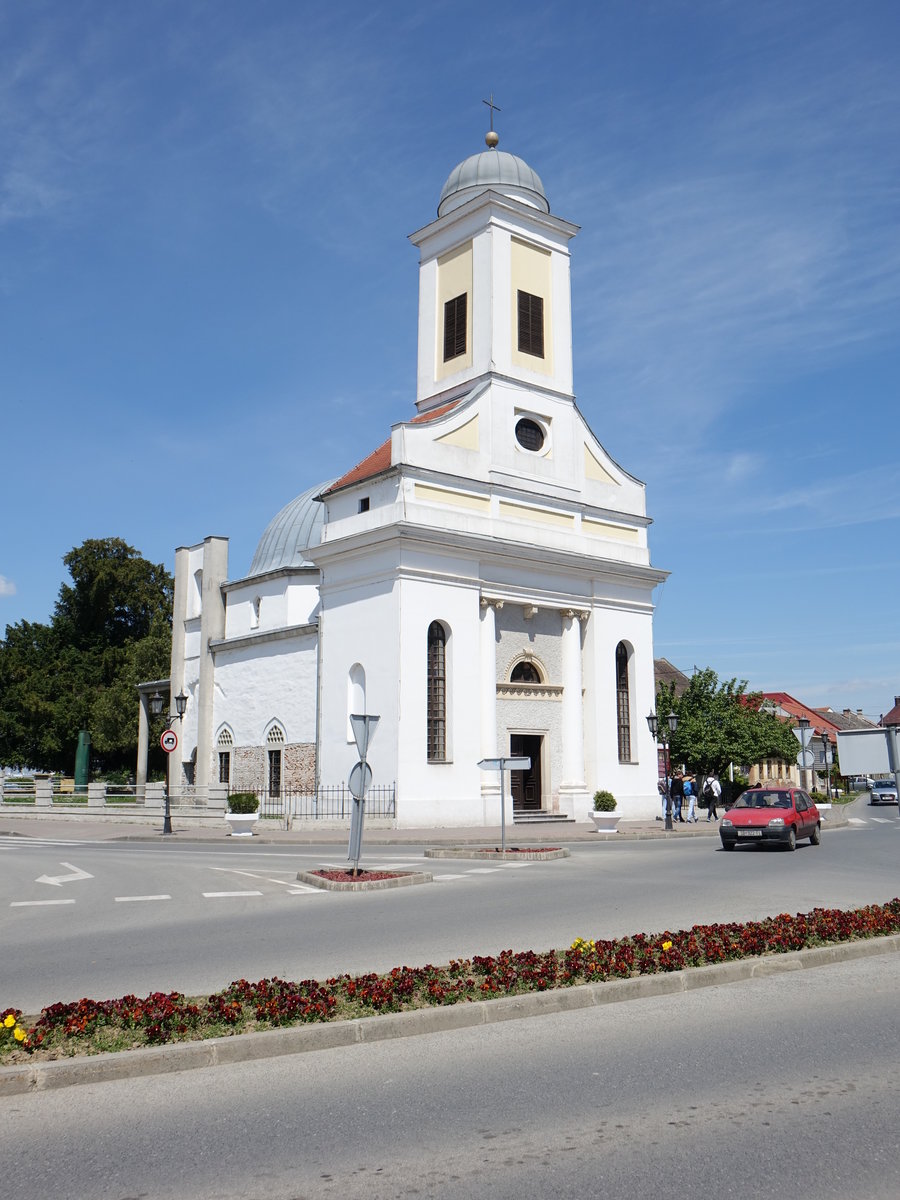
<point>96,1027</point>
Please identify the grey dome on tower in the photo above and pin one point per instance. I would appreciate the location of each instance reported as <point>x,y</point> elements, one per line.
<point>492,170</point>
<point>291,532</point>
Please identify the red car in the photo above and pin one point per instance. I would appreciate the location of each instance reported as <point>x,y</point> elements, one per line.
<point>771,815</point>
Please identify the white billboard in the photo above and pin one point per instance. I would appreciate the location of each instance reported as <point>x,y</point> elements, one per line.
<point>869,751</point>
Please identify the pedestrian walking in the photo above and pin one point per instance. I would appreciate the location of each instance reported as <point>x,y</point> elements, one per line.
<point>712,790</point>
<point>690,799</point>
<point>677,794</point>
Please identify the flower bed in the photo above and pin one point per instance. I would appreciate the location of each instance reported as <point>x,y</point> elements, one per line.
<point>92,1026</point>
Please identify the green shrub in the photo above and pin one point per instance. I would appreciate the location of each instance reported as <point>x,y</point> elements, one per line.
<point>243,802</point>
<point>604,802</point>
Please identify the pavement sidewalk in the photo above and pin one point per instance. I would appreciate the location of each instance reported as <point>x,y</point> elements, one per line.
<point>110,827</point>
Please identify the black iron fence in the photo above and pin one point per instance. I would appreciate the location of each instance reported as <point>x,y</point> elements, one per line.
<point>325,803</point>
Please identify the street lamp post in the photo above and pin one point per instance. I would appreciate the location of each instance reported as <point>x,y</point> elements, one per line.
<point>156,707</point>
<point>826,743</point>
<point>661,734</point>
<point>803,726</point>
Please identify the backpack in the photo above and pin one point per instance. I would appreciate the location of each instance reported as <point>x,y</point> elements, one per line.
<point>707,789</point>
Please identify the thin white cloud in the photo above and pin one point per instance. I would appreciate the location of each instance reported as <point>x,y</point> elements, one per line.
<point>7,587</point>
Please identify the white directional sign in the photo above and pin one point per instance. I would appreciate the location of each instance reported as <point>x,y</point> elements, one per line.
<point>169,740</point>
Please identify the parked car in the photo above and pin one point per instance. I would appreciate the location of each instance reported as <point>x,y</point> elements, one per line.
<point>883,791</point>
<point>781,815</point>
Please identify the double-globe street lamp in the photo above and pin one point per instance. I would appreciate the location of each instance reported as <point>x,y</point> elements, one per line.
<point>660,734</point>
<point>156,707</point>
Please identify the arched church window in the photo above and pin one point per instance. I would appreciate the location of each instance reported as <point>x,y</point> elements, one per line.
<point>275,741</point>
<point>437,693</point>
<point>623,703</point>
<point>525,672</point>
<point>254,612</point>
<point>225,745</point>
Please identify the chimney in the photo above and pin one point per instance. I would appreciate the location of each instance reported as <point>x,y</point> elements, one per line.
<point>847,712</point>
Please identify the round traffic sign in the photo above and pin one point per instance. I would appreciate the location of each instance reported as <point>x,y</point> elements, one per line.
<point>169,740</point>
<point>806,759</point>
<point>360,780</point>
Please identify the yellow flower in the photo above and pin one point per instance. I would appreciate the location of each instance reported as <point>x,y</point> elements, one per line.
<point>19,1034</point>
<point>9,1021</point>
<point>667,946</point>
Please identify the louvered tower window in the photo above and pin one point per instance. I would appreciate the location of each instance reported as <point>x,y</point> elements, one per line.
<point>455,326</point>
<point>437,693</point>
<point>531,324</point>
<point>623,705</point>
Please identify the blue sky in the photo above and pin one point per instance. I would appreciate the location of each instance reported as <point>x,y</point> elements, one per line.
<point>208,302</point>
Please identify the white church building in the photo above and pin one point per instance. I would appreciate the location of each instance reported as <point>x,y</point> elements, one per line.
<point>481,581</point>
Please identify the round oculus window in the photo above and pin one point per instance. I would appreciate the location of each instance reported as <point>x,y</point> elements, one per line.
<point>529,434</point>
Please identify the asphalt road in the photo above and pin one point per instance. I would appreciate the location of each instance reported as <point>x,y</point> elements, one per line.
<point>137,917</point>
<point>786,1086</point>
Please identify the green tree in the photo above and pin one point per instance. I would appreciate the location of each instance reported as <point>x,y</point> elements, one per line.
<point>722,723</point>
<point>110,629</point>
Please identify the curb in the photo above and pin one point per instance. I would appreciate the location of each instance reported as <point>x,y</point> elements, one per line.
<point>251,1047</point>
<point>406,879</point>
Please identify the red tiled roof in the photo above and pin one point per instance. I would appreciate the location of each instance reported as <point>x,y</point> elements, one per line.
<point>380,460</point>
<point>892,717</point>
<point>796,708</point>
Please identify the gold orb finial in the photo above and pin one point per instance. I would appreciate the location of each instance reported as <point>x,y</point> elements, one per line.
<point>490,137</point>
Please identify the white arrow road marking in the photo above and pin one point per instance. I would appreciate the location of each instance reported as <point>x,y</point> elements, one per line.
<point>59,880</point>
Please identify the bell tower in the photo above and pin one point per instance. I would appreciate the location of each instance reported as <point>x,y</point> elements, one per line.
<point>494,286</point>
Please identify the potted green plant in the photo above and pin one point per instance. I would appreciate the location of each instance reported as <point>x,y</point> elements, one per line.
<point>243,813</point>
<point>604,814</point>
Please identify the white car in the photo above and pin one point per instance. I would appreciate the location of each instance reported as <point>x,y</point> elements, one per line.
<point>883,791</point>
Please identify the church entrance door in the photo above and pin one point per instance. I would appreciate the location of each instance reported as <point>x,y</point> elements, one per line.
<point>526,785</point>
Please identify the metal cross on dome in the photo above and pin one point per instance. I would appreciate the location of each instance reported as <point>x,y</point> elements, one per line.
<point>492,106</point>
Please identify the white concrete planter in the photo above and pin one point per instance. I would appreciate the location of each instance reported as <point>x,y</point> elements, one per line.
<point>605,822</point>
<point>241,823</point>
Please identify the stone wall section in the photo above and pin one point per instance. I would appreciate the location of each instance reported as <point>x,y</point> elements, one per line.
<point>250,767</point>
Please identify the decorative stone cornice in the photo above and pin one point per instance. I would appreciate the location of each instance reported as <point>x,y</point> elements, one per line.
<point>529,691</point>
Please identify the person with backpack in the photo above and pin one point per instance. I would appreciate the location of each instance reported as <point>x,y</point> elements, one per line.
<point>689,798</point>
<point>712,791</point>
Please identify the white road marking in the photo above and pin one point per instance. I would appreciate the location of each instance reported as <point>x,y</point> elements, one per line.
<point>37,903</point>
<point>124,899</point>
<point>484,870</point>
<point>883,821</point>
<point>59,880</point>
<point>856,821</point>
<point>215,895</point>
<point>444,878</point>
<point>252,875</point>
